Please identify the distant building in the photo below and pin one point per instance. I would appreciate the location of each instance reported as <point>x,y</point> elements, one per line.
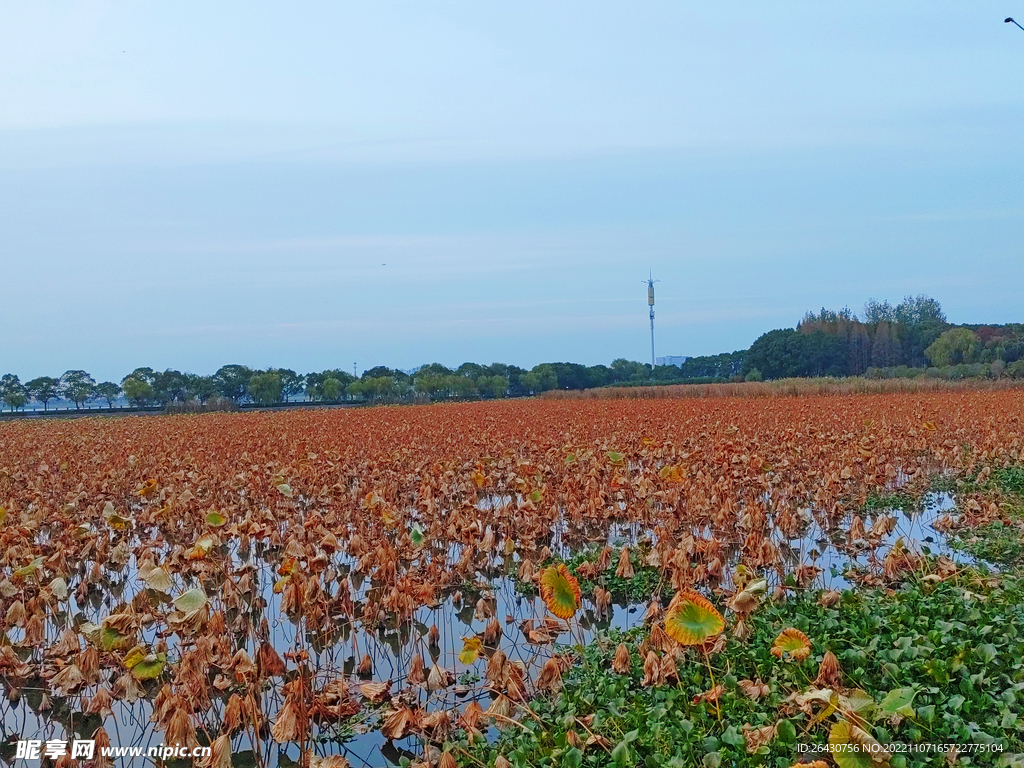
<point>676,360</point>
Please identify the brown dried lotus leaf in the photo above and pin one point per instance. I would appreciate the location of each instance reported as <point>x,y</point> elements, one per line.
<point>376,692</point>
<point>753,689</point>
<point>400,722</point>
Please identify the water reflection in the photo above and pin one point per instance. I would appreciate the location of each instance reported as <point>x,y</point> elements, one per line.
<point>30,713</point>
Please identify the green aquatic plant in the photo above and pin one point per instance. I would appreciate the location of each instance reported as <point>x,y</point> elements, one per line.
<point>994,542</point>
<point>938,661</point>
<point>646,581</point>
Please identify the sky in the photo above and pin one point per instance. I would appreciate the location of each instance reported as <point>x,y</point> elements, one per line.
<point>317,185</point>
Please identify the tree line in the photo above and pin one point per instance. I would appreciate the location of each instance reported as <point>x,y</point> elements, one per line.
<point>908,339</point>
<point>911,337</point>
<point>240,384</point>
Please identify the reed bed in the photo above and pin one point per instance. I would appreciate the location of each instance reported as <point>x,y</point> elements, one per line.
<point>787,388</point>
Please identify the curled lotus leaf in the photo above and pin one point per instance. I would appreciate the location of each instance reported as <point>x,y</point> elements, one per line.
<point>114,519</point>
<point>90,631</point>
<point>192,601</point>
<point>853,747</point>
<point>560,591</point>
<point>133,657</point>
<point>110,638</point>
<point>791,643</point>
<point>59,588</point>
<point>147,488</point>
<point>159,579</point>
<point>150,667</point>
<point>29,570</point>
<point>691,619</point>
<point>472,647</point>
<point>203,546</point>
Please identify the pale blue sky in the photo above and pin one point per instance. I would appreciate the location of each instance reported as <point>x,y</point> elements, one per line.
<point>190,184</point>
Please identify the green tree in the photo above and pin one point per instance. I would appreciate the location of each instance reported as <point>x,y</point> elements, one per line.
<point>77,386</point>
<point>914,310</point>
<point>955,346</point>
<point>471,371</point>
<point>858,350</point>
<point>917,338</point>
<point>233,381</point>
<point>431,369</point>
<point>876,311</point>
<point>432,384</point>
<point>12,392</point>
<point>43,389</point>
<point>170,386</point>
<point>723,366</point>
<point>15,399</point>
<point>331,388</point>
<point>381,372</point>
<point>109,391</point>
<point>541,378</point>
<point>629,370</point>
<point>200,388</point>
<point>462,386</point>
<point>265,388</point>
<point>786,352</point>
<point>380,387</point>
<point>510,372</point>
<point>146,374</point>
<point>492,386</point>
<point>315,382</point>
<point>138,391</point>
<point>291,383</point>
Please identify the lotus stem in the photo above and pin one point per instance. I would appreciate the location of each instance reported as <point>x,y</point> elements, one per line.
<point>707,660</point>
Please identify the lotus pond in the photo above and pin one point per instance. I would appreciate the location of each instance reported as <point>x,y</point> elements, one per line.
<point>532,583</point>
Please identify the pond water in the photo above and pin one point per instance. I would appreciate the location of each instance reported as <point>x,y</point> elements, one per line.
<point>31,714</point>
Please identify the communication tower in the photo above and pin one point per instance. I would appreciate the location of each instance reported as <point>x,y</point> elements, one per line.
<point>650,302</point>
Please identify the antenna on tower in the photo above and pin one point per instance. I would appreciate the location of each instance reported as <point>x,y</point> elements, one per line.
<point>650,302</point>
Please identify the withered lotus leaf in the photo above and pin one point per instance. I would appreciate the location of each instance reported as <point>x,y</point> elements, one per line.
<point>159,579</point>
<point>329,761</point>
<point>401,721</point>
<point>550,677</point>
<point>621,663</point>
<point>439,678</point>
<point>269,662</point>
<point>625,570</point>
<point>791,643</point>
<point>376,692</point>
<point>192,601</point>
